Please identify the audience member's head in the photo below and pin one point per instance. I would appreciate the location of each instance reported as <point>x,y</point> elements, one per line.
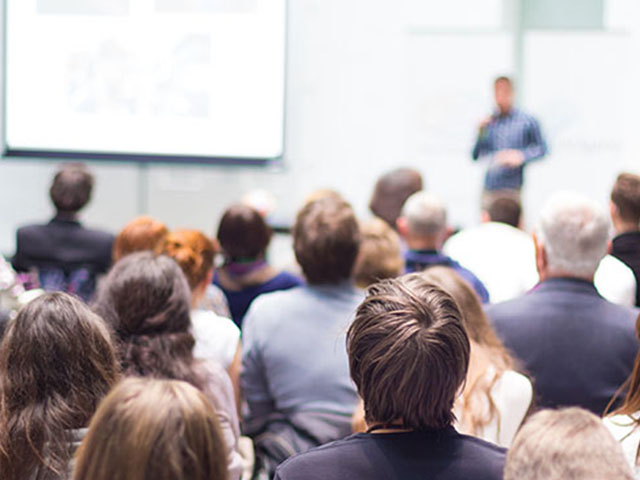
<point>423,222</point>
<point>503,93</point>
<point>141,233</point>
<point>625,203</point>
<point>71,188</point>
<point>571,237</point>
<point>408,353</point>
<point>321,194</point>
<point>153,429</point>
<point>146,300</point>
<point>392,190</point>
<point>568,444</point>
<point>57,361</point>
<point>475,320</point>
<point>487,348</point>
<point>194,252</point>
<point>326,241</point>
<point>243,234</point>
<point>380,254</point>
<point>503,208</point>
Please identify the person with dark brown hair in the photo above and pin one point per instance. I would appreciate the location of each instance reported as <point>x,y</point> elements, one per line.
<point>495,398</point>
<point>391,191</point>
<point>141,233</point>
<point>57,361</point>
<point>146,299</point>
<point>295,375</point>
<point>65,255</point>
<point>217,338</point>
<point>408,356</point>
<point>244,237</point>
<point>625,215</point>
<point>153,429</point>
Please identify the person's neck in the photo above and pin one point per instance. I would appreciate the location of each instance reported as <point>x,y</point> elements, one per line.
<point>620,227</point>
<point>396,426</point>
<point>548,275</point>
<point>67,216</point>
<point>422,244</point>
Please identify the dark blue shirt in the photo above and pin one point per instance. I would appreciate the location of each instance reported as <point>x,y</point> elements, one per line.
<point>442,454</point>
<point>240,300</point>
<point>515,130</point>
<point>418,260</point>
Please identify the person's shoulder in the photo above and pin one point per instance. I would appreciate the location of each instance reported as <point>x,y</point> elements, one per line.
<point>98,234</point>
<point>209,320</point>
<point>32,229</point>
<point>319,461</point>
<point>272,305</point>
<point>286,279</point>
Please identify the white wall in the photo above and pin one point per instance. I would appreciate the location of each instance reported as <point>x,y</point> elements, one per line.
<point>371,85</point>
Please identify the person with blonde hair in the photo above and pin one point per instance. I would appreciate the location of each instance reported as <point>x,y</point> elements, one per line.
<point>153,429</point>
<point>495,398</point>
<point>217,338</point>
<point>380,253</point>
<point>566,444</point>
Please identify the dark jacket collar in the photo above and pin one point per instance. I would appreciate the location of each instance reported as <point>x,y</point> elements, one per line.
<point>65,220</point>
<point>566,284</point>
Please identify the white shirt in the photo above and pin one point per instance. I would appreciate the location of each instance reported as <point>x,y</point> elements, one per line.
<point>504,259</point>
<point>625,430</point>
<point>501,256</point>
<point>512,395</point>
<point>216,337</point>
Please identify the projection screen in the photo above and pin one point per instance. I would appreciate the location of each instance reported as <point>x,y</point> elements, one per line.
<point>166,80</point>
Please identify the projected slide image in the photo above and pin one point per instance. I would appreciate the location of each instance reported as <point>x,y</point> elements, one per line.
<point>204,6</point>
<point>207,82</point>
<point>112,79</point>
<point>84,7</point>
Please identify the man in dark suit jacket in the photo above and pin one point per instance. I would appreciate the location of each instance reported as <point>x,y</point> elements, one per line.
<point>625,214</point>
<point>578,347</point>
<point>65,255</point>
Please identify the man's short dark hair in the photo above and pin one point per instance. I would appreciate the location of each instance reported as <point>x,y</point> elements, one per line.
<point>391,191</point>
<point>505,209</point>
<point>626,197</point>
<point>71,188</point>
<point>408,353</point>
<point>326,240</point>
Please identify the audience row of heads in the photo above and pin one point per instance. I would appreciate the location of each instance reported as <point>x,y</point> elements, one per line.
<point>58,362</point>
<point>409,348</point>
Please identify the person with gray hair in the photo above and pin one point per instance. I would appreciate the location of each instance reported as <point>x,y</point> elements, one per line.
<point>568,444</point>
<point>423,226</point>
<point>578,347</point>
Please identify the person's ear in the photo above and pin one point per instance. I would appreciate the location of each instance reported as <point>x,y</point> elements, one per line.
<point>484,217</point>
<point>613,211</point>
<point>402,225</point>
<point>541,256</point>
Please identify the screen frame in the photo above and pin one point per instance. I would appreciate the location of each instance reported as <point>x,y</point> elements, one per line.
<point>7,152</point>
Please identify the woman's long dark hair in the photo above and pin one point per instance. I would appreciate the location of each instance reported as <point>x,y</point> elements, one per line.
<point>57,361</point>
<point>145,298</point>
